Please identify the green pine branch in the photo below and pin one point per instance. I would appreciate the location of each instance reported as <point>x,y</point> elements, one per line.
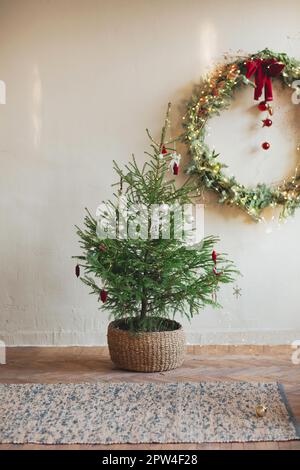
<point>154,277</point>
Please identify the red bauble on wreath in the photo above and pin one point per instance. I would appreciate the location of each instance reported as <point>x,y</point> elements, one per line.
<point>265,145</point>
<point>263,106</point>
<point>267,122</point>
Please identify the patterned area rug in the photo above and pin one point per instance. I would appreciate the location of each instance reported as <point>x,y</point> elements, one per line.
<point>103,413</point>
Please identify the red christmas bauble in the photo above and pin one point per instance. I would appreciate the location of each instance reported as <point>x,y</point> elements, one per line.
<point>262,106</point>
<point>175,169</point>
<point>267,122</point>
<point>265,145</point>
<point>103,295</point>
<point>164,151</point>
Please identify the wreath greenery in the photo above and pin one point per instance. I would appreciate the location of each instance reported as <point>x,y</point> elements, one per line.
<point>213,95</point>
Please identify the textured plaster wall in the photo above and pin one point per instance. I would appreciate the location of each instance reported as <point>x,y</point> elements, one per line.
<point>83,80</point>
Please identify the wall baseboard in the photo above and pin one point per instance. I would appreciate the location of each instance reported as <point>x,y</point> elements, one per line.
<point>204,337</point>
<point>196,349</point>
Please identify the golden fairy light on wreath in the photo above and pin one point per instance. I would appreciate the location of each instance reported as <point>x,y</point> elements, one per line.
<point>213,95</point>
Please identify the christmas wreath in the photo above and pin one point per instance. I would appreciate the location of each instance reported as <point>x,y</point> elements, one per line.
<point>213,95</point>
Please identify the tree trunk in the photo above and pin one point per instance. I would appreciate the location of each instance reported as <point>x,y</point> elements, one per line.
<point>144,294</point>
<point>144,307</point>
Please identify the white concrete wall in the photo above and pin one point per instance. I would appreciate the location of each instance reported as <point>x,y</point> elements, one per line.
<point>84,79</point>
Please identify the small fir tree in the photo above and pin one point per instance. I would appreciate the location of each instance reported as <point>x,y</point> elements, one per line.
<point>142,281</point>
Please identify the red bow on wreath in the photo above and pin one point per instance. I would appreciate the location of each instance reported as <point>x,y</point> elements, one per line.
<point>264,70</point>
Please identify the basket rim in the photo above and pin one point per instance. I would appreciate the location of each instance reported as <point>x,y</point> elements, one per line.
<point>112,326</point>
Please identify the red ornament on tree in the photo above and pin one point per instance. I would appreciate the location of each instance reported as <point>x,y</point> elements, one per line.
<point>164,151</point>
<point>175,169</point>
<point>267,122</point>
<point>262,106</point>
<point>103,295</point>
<point>77,270</point>
<point>102,247</point>
<point>265,145</point>
<point>214,258</point>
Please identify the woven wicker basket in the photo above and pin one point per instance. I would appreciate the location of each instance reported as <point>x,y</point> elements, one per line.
<point>146,352</point>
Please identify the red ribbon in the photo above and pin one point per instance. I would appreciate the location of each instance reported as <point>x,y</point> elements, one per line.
<point>263,71</point>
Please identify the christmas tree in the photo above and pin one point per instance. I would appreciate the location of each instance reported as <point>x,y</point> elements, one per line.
<point>142,268</point>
